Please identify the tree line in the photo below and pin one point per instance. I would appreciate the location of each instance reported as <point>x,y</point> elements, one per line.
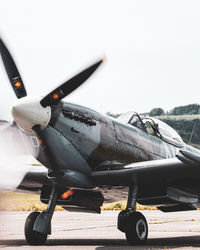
<point>191,109</point>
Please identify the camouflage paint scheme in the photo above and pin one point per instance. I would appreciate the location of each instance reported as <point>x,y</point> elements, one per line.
<point>93,151</point>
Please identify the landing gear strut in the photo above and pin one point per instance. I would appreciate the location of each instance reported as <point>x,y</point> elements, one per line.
<point>131,222</point>
<point>38,225</point>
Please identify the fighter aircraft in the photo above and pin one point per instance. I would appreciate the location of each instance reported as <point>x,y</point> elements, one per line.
<point>86,154</point>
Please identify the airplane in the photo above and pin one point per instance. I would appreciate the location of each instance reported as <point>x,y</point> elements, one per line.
<point>85,155</point>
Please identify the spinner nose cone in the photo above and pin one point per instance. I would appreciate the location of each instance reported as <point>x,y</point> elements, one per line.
<point>28,112</point>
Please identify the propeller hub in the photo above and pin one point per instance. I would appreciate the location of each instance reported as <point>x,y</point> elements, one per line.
<point>28,112</point>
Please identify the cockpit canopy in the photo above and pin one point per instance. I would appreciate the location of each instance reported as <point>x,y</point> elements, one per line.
<point>152,126</point>
<point>126,117</point>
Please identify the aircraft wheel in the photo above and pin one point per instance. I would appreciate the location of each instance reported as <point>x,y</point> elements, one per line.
<point>137,229</point>
<point>33,237</point>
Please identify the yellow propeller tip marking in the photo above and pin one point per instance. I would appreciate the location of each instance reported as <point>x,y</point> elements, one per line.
<point>104,59</point>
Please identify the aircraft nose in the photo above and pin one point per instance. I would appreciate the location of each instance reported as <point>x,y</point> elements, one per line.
<point>28,112</point>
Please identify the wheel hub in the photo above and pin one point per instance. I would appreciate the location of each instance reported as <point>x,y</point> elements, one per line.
<point>141,229</point>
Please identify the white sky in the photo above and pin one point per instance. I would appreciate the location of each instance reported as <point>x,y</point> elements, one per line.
<point>153,51</point>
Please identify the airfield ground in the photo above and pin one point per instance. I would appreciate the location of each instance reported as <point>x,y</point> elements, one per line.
<point>92,231</point>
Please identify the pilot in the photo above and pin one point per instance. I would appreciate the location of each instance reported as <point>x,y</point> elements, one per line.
<point>151,127</point>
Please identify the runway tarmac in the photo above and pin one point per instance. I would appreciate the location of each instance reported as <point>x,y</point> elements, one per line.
<point>180,230</point>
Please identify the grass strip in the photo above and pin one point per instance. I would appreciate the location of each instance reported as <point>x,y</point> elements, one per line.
<point>11,201</point>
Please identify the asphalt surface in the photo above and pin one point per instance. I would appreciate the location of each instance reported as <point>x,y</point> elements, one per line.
<point>180,230</point>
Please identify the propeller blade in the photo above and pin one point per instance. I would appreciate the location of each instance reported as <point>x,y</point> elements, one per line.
<point>11,69</point>
<point>69,86</point>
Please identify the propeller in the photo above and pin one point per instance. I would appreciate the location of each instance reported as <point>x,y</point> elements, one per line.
<point>12,71</point>
<point>28,111</point>
<point>69,86</point>
<point>33,114</point>
<point>58,93</point>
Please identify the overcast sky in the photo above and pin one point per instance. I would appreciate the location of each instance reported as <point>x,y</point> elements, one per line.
<point>152,47</point>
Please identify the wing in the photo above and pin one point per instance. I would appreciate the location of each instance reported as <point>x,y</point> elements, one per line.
<point>142,172</point>
<point>137,173</point>
<point>168,184</point>
<point>34,180</point>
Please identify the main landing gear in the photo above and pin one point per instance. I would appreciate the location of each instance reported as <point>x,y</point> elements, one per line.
<point>38,225</point>
<point>131,222</point>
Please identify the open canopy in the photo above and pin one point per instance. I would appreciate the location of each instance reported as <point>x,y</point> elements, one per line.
<point>152,126</point>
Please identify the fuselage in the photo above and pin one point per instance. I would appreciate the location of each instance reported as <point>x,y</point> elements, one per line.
<point>80,141</point>
<point>85,140</point>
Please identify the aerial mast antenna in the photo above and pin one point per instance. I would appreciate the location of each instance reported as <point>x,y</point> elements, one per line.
<point>192,133</point>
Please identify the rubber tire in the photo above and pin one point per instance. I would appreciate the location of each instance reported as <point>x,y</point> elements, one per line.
<point>132,235</point>
<point>122,221</point>
<point>33,237</point>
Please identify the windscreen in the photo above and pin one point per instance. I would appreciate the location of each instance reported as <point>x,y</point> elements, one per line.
<point>125,118</point>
